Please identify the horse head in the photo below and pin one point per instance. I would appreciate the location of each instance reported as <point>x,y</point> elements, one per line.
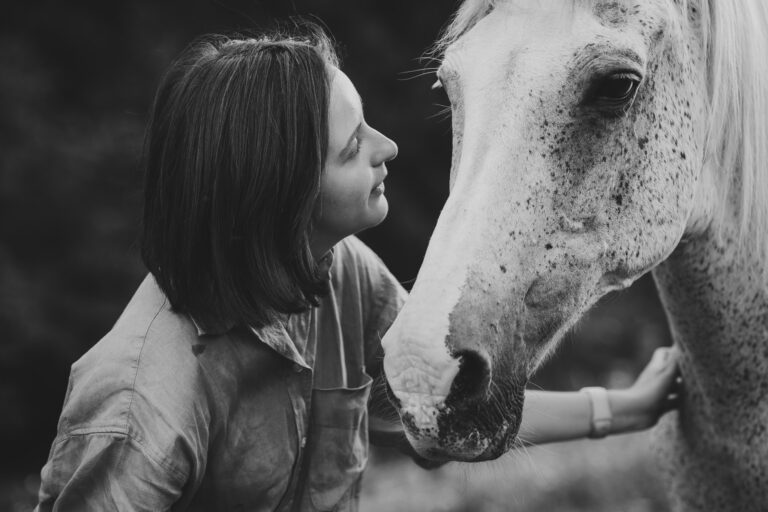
<point>579,162</point>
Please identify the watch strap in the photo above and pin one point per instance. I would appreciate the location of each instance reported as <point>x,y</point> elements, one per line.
<point>601,411</point>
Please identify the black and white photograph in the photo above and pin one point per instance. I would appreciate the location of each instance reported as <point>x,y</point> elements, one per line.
<point>401,256</point>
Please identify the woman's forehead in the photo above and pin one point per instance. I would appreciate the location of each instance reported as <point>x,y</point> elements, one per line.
<point>345,112</point>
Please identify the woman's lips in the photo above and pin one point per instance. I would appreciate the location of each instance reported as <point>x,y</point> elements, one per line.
<point>378,189</point>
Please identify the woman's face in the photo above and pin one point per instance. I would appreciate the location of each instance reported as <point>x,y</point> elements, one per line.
<point>352,186</point>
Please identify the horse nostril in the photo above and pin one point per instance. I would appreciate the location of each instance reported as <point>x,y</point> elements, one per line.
<point>474,377</point>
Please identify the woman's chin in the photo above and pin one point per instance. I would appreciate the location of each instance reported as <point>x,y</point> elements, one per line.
<point>379,207</point>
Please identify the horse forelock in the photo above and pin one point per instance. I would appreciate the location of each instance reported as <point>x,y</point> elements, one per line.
<point>467,16</point>
<point>735,35</point>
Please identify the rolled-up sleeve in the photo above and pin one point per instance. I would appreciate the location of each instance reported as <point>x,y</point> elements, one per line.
<point>106,469</point>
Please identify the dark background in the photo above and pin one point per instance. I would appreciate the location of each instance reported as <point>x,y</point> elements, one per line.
<point>76,82</point>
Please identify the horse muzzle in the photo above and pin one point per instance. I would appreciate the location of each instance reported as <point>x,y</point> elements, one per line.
<point>474,421</point>
<point>456,435</point>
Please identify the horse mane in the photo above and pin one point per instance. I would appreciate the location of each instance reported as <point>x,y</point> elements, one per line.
<point>735,35</point>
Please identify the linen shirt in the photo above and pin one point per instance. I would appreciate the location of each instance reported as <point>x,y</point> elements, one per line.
<point>163,415</point>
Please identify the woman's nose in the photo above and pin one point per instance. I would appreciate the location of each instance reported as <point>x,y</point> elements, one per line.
<point>392,147</point>
<point>387,150</point>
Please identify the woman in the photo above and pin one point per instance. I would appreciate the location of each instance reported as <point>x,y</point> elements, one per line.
<point>239,375</point>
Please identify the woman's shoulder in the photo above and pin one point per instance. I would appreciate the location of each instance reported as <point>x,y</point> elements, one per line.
<point>140,377</point>
<point>134,400</point>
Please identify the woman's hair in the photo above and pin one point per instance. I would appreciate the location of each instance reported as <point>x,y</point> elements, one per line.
<point>234,152</point>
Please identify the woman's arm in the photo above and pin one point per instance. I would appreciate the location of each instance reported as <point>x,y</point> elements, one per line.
<point>550,416</point>
<point>561,416</point>
<point>107,469</point>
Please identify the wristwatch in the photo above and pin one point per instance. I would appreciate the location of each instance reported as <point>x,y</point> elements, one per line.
<point>601,412</point>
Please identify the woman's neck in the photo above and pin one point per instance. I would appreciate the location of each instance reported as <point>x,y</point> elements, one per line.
<point>320,244</point>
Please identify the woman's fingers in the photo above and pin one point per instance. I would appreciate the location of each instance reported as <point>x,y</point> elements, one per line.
<point>674,395</point>
<point>662,366</point>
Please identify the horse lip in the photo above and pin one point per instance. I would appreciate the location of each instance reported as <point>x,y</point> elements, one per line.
<point>498,447</point>
<point>434,446</point>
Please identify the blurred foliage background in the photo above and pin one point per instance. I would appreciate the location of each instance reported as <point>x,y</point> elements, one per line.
<point>76,81</point>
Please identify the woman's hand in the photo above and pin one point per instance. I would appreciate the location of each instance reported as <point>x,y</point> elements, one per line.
<point>654,392</point>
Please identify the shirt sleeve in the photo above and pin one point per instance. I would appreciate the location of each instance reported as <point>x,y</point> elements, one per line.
<point>106,470</point>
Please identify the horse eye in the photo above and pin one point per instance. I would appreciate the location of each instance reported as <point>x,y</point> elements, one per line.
<point>617,88</point>
<point>615,91</point>
<point>440,95</point>
<point>441,100</point>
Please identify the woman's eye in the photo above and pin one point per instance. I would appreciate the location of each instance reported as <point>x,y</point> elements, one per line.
<point>355,146</point>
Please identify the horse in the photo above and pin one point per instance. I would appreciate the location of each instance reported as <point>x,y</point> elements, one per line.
<point>595,141</point>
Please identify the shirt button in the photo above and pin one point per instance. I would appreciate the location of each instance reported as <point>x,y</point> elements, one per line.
<point>297,368</point>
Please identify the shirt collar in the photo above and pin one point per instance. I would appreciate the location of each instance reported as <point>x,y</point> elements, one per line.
<point>324,264</point>
<point>211,328</point>
<point>274,335</point>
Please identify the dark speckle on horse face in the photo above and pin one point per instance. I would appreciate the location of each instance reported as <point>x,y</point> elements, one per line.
<point>612,14</point>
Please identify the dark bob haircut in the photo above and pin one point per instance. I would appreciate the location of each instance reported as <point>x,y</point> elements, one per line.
<point>234,152</point>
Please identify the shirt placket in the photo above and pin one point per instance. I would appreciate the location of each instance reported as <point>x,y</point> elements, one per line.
<point>300,391</point>
<point>299,381</point>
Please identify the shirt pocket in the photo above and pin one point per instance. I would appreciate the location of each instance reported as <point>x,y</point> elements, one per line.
<point>338,444</point>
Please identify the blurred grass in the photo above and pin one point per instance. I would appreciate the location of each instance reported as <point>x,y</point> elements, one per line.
<point>19,493</point>
<point>616,474</point>
<point>612,475</point>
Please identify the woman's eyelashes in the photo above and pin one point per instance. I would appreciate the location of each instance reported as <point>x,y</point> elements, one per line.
<point>355,147</point>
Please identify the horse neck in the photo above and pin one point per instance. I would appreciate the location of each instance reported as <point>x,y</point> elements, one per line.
<point>715,452</point>
<point>716,301</point>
